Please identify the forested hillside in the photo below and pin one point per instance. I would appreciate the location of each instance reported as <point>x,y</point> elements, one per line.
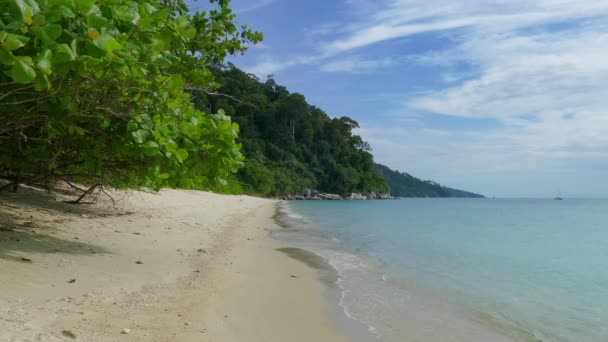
<point>289,144</point>
<point>405,185</point>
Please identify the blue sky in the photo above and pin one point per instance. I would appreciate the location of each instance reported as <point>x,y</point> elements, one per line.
<point>503,97</point>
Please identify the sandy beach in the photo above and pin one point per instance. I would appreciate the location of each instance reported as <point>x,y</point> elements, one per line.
<point>174,266</point>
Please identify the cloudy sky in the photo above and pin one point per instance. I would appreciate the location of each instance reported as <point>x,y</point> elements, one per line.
<point>501,97</point>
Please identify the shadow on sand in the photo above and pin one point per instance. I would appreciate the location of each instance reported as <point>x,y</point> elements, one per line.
<point>12,243</point>
<point>29,218</point>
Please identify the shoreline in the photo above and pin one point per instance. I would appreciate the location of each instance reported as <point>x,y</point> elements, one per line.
<point>355,330</point>
<point>179,265</point>
<point>369,295</point>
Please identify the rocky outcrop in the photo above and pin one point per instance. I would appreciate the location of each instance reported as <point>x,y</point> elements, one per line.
<point>306,193</point>
<point>330,197</point>
<point>314,195</point>
<point>356,196</point>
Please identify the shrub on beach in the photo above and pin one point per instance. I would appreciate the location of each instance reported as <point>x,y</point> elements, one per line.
<point>99,92</point>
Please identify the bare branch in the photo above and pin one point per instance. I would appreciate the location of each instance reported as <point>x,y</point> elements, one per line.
<point>217,93</point>
<point>87,192</point>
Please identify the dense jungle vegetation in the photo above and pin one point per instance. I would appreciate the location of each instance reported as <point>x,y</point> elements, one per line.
<point>289,144</point>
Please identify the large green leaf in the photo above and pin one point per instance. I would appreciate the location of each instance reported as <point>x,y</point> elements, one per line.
<point>175,81</point>
<point>100,45</point>
<point>171,147</point>
<point>190,130</point>
<point>48,33</point>
<point>151,149</point>
<point>84,6</point>
<point>26,9</point>
<point>14,41</point>
<point>127,14</point>
<point>44,62</point>
<point>6,57</point>
<point>63,53</point>
<point>38,20</point>
<point>21,72</point>
<point>141,135</point>
<point>56,14</point>
<point>96,20</point>
<point>42,83</point>
<point>181,154</point>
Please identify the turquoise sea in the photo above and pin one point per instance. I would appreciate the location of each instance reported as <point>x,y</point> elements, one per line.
<point>458,269</point>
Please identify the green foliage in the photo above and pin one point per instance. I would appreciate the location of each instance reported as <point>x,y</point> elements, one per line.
<point>95,91</point>
<point>289,144</point>
<point>406,185</point>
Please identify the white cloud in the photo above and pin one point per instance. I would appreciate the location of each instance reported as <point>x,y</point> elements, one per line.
<point>256,5</point>
<point>267,65</point>
<point>260,46</point>
<point>543,76</point>
<point>356,65</point>
<point>401,18</point>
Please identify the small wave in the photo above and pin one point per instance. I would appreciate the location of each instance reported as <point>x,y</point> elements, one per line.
<point>286,211</point>
<point>510,327</point>
<point>301,234</point>
<point>350,315</point>
<point>350,267</point>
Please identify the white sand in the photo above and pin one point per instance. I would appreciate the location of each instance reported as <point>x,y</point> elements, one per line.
<point>208,272</point>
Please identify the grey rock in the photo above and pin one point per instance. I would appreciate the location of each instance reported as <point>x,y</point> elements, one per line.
<point>306,192</point>
<point>331,197</point>
<point>356,196</point>
<point>384,196</point>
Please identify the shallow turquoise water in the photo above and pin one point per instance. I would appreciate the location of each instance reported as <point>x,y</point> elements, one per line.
<point>537,269</point>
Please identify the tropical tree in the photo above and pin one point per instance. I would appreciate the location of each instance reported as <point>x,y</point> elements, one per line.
<point>97,92</point>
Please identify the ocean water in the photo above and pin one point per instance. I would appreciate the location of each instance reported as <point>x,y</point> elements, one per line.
<point>463,269</point>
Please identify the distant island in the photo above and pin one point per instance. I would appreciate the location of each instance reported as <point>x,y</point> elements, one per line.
<point>405,185</point>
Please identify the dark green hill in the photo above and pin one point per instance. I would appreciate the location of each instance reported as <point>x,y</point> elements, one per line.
<point>405,185</point>
<point>289,144</point>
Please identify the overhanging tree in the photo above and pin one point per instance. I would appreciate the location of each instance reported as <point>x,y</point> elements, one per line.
<point>96,92</point>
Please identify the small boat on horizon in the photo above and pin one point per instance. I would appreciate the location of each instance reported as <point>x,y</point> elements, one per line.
<point>558,197</point>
